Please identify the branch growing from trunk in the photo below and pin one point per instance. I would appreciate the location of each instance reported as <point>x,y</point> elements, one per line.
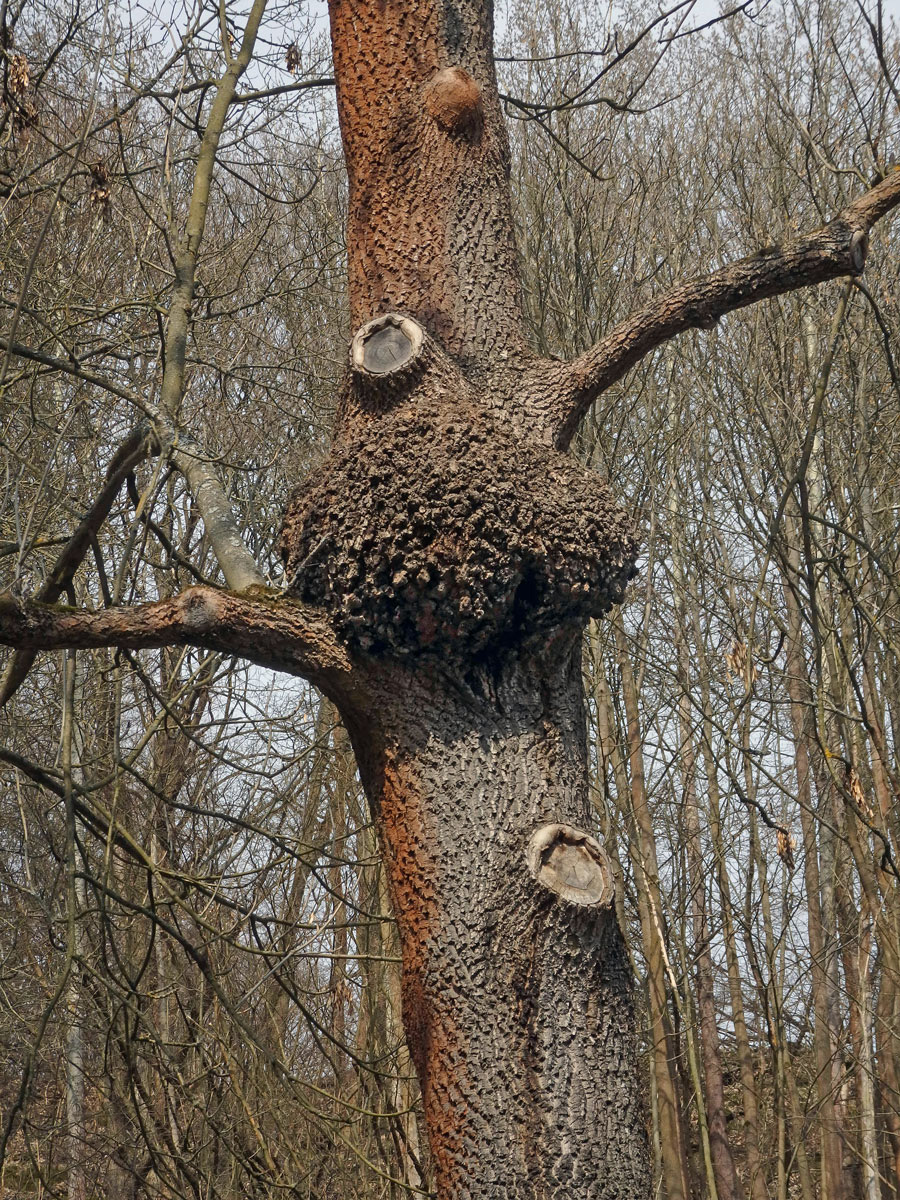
<point>838,248</point>
<point>266,627</point>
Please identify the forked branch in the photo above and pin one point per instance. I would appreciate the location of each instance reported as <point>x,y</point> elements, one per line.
<point>265,627</point>
<point>186,455</point>
<point>132,451</point>
<point>838,248</point>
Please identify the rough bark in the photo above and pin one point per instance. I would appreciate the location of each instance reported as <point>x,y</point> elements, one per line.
<point>516,998</point>
<point>430,226</point>
<point>440,532</point>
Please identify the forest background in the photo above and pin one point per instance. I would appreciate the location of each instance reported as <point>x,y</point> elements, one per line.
<point>231,1026</point>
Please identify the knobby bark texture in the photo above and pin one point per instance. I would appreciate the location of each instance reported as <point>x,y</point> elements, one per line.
<point>516,986</point>
<point>460,555</point>
<point>460,552</point>
<point>460,561</point>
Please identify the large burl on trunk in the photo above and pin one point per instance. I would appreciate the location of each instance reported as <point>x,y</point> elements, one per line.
<point>460,553</point>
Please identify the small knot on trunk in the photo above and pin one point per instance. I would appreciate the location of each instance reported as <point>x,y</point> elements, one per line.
<point>453,101</point>
<point>201,609</point>
<point>572,864</point>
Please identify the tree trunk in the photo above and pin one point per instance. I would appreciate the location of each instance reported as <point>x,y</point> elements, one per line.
<point>798,691</point>
<point>429,224</point>
<point>76,1181</point>
<point>650,908</point>
<point>454,555</point>
<point>727,1185</point>
<point>517,994</point>
<point>756,1176</point>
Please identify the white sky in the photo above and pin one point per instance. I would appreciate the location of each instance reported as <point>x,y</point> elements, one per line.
<point>709,8</point>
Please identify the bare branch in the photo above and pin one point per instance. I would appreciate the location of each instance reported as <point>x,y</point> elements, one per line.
<point>237,563</point>
<point>179,316</point>
<point>300,85</point>
<point>836,249</point>
<point>73,366</point>
<point>132,451</point>
<point>267,628</point>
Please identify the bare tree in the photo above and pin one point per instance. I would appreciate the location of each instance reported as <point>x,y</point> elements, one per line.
<point>440,567</point>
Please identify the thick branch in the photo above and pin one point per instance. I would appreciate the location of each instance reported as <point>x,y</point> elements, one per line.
<point>837,249</point>
<point>267,628</point>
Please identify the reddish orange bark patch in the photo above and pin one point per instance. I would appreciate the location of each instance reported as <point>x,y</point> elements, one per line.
<point>429,227</point>
<point>433,1037</point>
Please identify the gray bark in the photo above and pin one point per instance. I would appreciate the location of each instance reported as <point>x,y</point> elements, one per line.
<point>517,1002</point>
